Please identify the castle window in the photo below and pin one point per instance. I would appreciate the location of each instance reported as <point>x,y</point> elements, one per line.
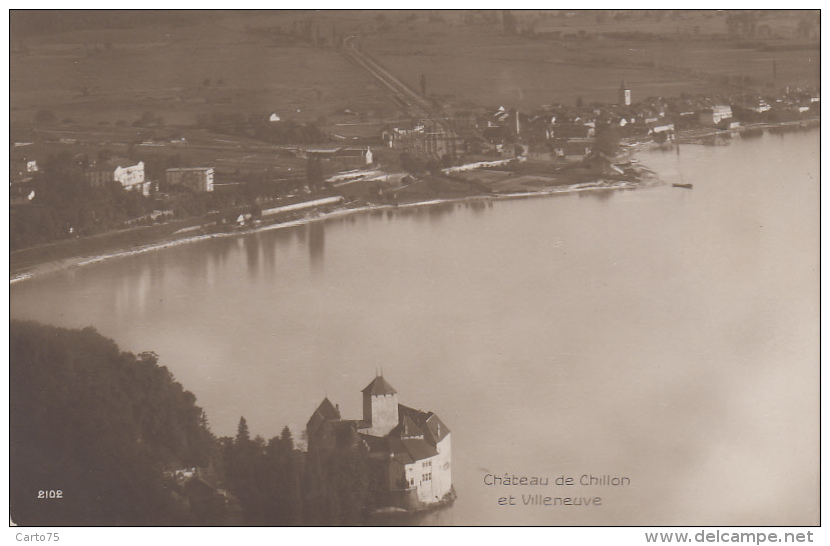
<point>426,477</point>
<point>411,482</point>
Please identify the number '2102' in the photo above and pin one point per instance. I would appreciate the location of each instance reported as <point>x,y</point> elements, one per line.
<point>50,494</point>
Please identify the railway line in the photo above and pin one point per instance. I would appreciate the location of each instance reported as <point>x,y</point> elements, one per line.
<point>439,136</point>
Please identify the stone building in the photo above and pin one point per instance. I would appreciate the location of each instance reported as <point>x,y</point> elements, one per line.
<point>409,449</point>
<point>195,178</point>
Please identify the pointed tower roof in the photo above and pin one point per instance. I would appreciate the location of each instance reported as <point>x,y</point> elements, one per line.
<point>326,411</point>
<point>379,386</point>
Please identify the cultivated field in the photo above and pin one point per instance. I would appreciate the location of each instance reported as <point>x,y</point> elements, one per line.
<point>569,57</point>
<point>234,62</point>
<point>259,62</point>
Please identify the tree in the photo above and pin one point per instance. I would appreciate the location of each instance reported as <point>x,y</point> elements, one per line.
<point>242,434</point>
<point>286,439</point>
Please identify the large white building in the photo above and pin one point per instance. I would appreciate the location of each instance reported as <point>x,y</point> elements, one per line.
<point>715,115</point>
<point>127,173</point>
<point>411,448</point>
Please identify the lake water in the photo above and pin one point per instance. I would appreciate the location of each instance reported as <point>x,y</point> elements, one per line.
<point>665,335</point>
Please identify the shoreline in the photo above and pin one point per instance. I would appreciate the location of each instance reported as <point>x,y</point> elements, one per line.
<point>56,266</point>
<point>647,178</point>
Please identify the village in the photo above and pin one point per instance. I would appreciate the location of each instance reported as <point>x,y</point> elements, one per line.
<point>490,152</point>
<point>200,160</point>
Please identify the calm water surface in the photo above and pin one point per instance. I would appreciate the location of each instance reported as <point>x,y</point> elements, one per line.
<point>665,335</point>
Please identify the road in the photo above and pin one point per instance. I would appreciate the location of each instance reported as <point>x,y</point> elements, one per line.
<point>439,136</point>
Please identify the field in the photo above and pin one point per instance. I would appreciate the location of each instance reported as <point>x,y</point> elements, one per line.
<point>570,57</point>
<point>259,62</point>
<point>97,73</point>
<point>234,62</point>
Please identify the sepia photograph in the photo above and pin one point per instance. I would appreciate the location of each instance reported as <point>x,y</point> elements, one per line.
<point>415,267</point>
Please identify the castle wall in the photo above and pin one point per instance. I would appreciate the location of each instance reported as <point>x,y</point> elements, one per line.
<point>432,477</point>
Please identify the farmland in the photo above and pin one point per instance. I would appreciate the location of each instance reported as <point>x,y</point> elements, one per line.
<point>564,58</point>
<point>229,63</point>
<point>258,62</point>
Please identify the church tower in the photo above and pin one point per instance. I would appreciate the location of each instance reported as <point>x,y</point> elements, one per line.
<point>625,94</point>
<point>380,407</point>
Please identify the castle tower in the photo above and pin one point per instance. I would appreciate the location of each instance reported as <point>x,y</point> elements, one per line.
<point>380,407</point>
<point>625,94</point>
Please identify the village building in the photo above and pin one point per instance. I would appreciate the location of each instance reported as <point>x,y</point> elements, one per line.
<point>347,156</point>
<point>402,130</point>
<point>354,157</point>
<point>624,95</point>
<point>661,131</point>
<point>573,150</point>
<point>573,130</point>
<point>23,167</point>
<point>127,173</point>
<point>410,449</point>
<point>540,152</point>
<point>715,115</point>
<point>195,178</point>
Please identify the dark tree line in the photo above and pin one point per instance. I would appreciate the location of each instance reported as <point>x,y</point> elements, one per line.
<point>264,476</point>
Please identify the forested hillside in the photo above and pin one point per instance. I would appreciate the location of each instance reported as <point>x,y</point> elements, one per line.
<point>104,437</point>
<point>98,425</point>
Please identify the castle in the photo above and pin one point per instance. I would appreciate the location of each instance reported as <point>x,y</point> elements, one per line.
<point>409,448</point>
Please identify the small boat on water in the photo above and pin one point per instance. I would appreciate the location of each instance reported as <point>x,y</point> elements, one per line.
<point>679,185</point>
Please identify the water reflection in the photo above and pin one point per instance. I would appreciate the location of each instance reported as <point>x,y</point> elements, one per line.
<point>599,195</point>
<point>252,247</point>
<point>131,291</point>
<point>442,517</point>
<point>479,206</point>
<point>438,212</point>
<point>223,247</point>
<point>269,255</point>
<point>316,244</point>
